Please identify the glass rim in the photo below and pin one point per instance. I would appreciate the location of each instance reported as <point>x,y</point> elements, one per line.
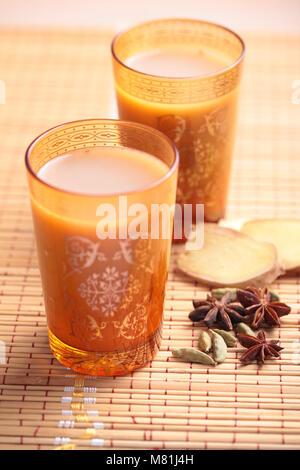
<point>108,121</point>
<point>193,77</point>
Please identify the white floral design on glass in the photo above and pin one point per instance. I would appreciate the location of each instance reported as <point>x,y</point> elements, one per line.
<point>82,253</point>
<point>103,292</point>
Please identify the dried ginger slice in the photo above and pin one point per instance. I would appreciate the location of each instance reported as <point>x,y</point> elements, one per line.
<point>231,258</point>
<point>283,233</point>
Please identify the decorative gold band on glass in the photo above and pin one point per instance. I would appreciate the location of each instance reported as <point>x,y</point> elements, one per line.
<point>161,33</point>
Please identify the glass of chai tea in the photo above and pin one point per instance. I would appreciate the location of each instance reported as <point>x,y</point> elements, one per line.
<point>92,186</point>
<point>182,76</point>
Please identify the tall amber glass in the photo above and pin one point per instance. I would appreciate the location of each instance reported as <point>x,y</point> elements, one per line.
<point>103,298</point>
<point>197,113</point>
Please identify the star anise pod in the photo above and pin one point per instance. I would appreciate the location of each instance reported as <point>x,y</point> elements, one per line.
<point>258,348</point>
<point>222,312</point>
<point>258,306</point>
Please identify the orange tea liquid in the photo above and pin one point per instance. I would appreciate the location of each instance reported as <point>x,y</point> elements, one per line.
<point>203,132</point>
<point>103,170</point>
<point>103,298</point>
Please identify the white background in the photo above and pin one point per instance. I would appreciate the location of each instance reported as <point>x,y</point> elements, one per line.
<point>241,15</point>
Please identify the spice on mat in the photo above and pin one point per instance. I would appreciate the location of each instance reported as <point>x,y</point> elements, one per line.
<point>193,355</point>
<point>252,304</point>
<point>223,312</point>
<point>258,348</point>
<point>229,339</point>
<point>258,306</point>
<point>219,347</point>
<point>244,329</point>
<point>284,234</point>
<point>220,291</point>
<point>204,342</point>
<point>230,258</point>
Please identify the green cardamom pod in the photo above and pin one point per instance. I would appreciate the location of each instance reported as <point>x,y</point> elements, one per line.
<point>193,355</point>
<point>244,329</point>
<point>204,342</point>
<point>274,296</point>
<point>229,339</point>
<point>219,347</point>
<point>219,292</point>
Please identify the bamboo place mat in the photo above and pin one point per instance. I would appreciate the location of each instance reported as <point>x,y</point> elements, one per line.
<point>56,76</point>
